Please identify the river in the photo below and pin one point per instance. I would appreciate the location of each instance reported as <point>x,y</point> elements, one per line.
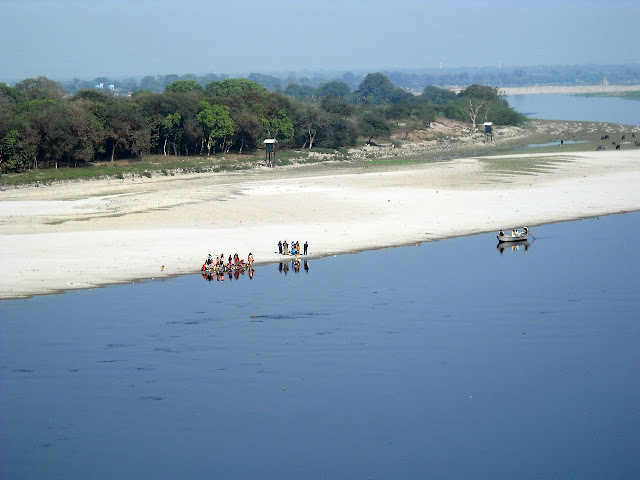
<point>452,359</point>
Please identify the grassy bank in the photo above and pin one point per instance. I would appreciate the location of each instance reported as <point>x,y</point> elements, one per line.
<point>536,136</point>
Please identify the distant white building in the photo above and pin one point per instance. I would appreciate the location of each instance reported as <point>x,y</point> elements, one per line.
<point>100,86</point>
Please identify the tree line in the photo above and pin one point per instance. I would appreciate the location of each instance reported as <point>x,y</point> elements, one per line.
<point>43,127</point>
<point>414,81</point>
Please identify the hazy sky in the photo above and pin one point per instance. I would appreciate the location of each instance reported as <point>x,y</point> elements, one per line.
<point>63,39</point>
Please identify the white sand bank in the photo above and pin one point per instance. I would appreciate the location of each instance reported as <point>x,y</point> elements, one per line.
<point>86,234</point>
<point>568,89</point>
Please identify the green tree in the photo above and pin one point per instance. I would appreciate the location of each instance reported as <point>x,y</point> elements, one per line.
<point>184,86</point>
<point>9,95</point>
<point>339,90</point>
<point>480,92</point>
<point>126,130</point>
<point>310,122</point>
<point>66,134</point>
<point>248,128</point>
<point>216,124</point>
<point>398,111</point>
<point>40,88</point>
<point>373,124</point>
<point>438,96</point>
<point>15,153</point>
<point>375,89</point>
<point>171,131</point>
<point>279,126</point>
<point>338,132</point>
<point>332,105</point>
<point>301,92</point>
<point>180,136</point>
<point>235,87</point>
<point>268,81</point>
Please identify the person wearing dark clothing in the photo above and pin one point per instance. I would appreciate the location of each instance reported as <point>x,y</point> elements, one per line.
<point>306,247</point>
<point>280,247</point>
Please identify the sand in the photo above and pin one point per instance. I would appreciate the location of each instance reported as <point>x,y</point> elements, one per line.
<point>568,89</point>
<point>92,233</point>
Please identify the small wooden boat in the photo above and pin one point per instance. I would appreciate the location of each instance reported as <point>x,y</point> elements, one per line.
<point>520,237</point>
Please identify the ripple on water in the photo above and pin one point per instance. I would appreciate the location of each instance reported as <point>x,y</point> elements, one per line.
<point>152,398</point>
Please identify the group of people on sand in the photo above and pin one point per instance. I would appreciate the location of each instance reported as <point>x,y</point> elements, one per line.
<point>284,249</point>
<point>234,263</point>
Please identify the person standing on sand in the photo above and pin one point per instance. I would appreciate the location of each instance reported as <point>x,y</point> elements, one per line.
<point>280,247</point>
<point>306,247</point>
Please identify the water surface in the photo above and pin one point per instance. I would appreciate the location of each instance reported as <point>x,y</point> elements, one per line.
<point>578,108</point>
<point>453,359</point>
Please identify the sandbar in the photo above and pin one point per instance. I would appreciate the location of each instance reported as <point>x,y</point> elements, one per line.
<point>92,233</point>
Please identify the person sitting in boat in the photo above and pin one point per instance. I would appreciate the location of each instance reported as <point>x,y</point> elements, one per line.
<point>525,231</point>
<point>501,233</point>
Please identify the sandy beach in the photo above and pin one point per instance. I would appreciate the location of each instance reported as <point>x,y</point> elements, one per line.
<point>568,89</point>
<point>93,233</point>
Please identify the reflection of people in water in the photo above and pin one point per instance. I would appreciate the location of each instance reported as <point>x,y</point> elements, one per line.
<point>306,266</point>
<point>280,267</point>
<point>286,268</point>
<point>296,265</point>
<point>250,273</point>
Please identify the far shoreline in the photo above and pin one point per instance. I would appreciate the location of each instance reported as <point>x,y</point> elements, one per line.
<point>567,89</point>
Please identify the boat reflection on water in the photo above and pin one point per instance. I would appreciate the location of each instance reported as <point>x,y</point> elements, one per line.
<point>513,246</point>
<point>283,267</point>
<point>234,274</point>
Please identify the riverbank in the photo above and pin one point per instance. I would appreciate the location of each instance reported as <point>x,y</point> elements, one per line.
<point>88,234</point>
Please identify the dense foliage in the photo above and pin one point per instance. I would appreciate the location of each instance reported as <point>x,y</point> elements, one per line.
<point>40,127</point>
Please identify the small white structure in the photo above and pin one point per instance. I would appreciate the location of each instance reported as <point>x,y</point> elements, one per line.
<point>270,150</point>
<point>488,130</point>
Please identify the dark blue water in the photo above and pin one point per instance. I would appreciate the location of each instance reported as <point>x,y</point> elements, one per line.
<point>448,360</point>
<point>578,107</point>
